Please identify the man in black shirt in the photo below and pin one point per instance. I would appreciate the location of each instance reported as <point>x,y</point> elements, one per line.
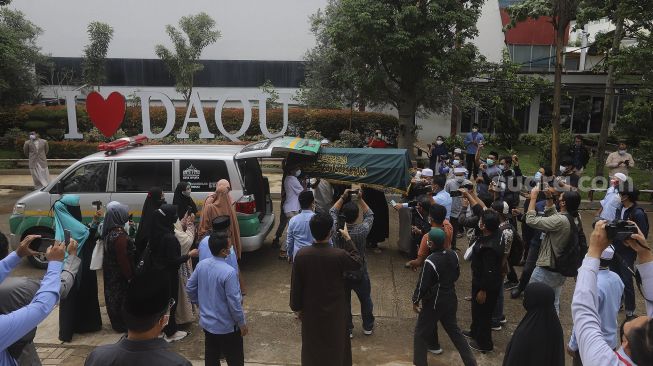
<point>436,290</point>
<point>486,281</point>
<point>146,312</point>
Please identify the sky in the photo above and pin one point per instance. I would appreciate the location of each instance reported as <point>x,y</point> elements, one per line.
<point>251,29</point>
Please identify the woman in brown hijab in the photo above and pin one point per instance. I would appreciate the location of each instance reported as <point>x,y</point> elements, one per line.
<point>219,203</point>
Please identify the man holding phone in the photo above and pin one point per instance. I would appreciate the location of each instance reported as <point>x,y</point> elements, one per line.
<point>15,325</point>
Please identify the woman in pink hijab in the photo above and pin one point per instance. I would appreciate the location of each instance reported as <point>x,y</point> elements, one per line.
<point>219,203</point>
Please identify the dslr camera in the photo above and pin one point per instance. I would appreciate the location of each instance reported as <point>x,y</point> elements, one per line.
<point>620,230</point>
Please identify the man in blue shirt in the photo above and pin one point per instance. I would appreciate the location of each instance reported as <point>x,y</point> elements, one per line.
<point>15,325</point>
<point>214,286</point>
<point>219,225</point>
<point>440,196</point>
<point>610,288</point>
<point>471,144</point>
<point>299,232</point>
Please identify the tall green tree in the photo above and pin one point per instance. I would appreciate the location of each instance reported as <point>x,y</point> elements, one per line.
<point>95,53</point>
<point>500,90</point>
<point>406,54</point>
<point>195,33</point>
<point>560,13</point>
<point>19,54</point>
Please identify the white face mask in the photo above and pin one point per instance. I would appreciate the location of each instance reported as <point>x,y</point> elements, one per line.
<point>186,193</point>
<point>474,129</point>
<point>622,152</point>
<point>298,173</point>
<point>460,179</point>
<point>537,176</point>
<point>501,166</point>
<point>562,169</point>
<point>456,162</point>
<point>32,137</point>
<point>438,142</point>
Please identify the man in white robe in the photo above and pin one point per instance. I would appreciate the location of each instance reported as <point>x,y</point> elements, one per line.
<point>36,150</point>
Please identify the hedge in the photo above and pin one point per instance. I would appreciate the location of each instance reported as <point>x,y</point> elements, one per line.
<point>51,122</point>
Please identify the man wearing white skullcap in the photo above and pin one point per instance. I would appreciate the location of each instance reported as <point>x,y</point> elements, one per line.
<point>612,202</point>
<point>610,288</point>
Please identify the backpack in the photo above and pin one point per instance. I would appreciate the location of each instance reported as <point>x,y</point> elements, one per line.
<point>571,258</point>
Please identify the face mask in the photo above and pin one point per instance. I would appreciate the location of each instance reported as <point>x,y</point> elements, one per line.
<point>562,169</point>
<point>298,173</point>
<point>378,135</point>
<point>456,162</point>
<point>622,152</point>
<point>438,142</point>
<point>537,176</point>
<point>32,137</point>
<point>489,162</point>
<point>460,179</point>
<point>186,193</point>
<point>474,129</point>
<point>501,166</point>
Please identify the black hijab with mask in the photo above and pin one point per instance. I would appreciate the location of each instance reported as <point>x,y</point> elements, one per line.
<point>165,247</point>
<point>538,339</point>
<point>184,203</point>
<point>152,203</point>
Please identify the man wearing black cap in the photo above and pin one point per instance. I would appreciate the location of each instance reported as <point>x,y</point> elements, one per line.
<point>146,311</point>
<point>219,225</point>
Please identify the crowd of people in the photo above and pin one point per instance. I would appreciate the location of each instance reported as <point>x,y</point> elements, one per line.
<point>175,268</point>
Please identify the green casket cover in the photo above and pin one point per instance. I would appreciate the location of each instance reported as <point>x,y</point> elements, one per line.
<point>377,168</point>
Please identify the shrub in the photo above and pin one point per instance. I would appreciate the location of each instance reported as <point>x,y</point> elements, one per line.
<point>542,142</point>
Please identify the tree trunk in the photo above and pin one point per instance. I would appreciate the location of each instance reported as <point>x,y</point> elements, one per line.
<point>406,137</point>
<point>607,102</point>
<point>557,96</point>
<point>455,113</point>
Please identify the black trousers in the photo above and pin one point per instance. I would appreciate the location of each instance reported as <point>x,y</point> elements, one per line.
<point>230,345</point>
<point>529,264</point>
<point>482,318</point>
<point>454,223</point>
<point>173,283</point>
<point>445,313</point>
<point>471,165</point>
<point>283,221</point>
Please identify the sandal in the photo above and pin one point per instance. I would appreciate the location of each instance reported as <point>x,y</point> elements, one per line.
<point>283,255</point>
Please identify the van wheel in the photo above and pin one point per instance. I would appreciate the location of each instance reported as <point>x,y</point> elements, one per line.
<point>38,260</point>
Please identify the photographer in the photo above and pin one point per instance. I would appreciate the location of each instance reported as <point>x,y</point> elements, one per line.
<point>419,223</point>
<point>636,335</point>
<point>620,161</point>
<point>452,187</point>
<point>630,211</point>
<point>345,211</point>
<point>438,221</point>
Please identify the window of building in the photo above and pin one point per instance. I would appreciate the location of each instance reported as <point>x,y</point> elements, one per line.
<point>596,115</point>
<point>141,176</point>
<point>203,175</point>
<point>88,178</point>
<point>521,54</point>
<point>468,118</point>
<point>522,115</point>
<point>541,57</point>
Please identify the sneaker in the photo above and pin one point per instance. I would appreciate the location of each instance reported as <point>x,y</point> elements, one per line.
<point>351,334</point>
<point>368,332</point>
<point>467,334</point>
<point>468,298</point>
<point>473,345</point>
<point>179,335</point>
<point>630,317</point>
<point>509,285</point>
<point>515,293</point>
<point>496,326</point>
<point>503,320</point>
<point>437,351</point>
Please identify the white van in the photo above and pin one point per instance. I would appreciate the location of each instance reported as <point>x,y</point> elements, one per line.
<point>127,175</point>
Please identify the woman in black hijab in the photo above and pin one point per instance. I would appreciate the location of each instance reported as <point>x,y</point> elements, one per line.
<point>166,256</point>
<point>183,200</point>
<point>538,339</point>
<point>154,200</point>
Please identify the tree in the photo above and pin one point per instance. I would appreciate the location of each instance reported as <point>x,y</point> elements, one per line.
<point>18,57</point>
<point>406,54</point>
<point>183,61</point>
<point>95,53</point>
<point>560,13</point>
<point>502,88</point>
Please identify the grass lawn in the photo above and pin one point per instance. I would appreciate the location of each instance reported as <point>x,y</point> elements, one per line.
<point>529,163</point>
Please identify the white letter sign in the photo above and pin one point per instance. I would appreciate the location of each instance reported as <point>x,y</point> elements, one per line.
<point>145,113</point>
<point>196,103</point>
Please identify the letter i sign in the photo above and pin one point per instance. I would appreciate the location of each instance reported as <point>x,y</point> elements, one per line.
<point>107,115</point>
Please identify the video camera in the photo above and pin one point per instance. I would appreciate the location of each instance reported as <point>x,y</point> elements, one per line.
<point>620,230</point>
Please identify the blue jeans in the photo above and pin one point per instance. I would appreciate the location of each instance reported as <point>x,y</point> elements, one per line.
<point>363,290</point>
<point>553,279</point>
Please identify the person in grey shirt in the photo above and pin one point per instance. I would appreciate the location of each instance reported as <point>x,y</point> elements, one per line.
<point>17,292</point>
<point>146,312</point>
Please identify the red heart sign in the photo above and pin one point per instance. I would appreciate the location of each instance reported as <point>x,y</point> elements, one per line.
<point>106,115</point>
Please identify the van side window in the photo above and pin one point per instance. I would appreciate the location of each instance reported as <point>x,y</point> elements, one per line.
<point>202,174</point>
<point>88,178</point>
<point>140,176</point>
